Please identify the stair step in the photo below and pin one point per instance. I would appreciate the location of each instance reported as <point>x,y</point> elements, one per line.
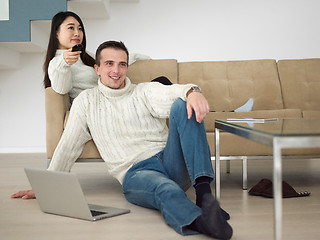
<point>37,37</point>
<point>21,12</point>
<point>92,9</point>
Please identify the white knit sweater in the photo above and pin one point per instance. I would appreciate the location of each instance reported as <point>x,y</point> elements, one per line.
<point>127,125</point>
<point>71,79</point>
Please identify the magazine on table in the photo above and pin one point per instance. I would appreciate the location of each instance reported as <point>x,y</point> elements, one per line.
<point>252,120</point>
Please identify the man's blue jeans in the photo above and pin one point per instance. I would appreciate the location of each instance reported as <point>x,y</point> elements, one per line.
<point>160,181</point>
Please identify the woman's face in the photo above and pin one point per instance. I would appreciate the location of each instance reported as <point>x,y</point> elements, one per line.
<point>69,33</point>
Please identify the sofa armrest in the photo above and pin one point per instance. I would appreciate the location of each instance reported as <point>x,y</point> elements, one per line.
<point>56,106</point>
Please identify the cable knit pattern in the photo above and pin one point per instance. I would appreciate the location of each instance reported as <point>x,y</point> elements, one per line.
<point>128,125</point>
<point>71,79</point>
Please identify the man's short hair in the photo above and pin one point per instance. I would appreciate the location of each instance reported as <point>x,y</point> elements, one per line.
<point>110,44</point>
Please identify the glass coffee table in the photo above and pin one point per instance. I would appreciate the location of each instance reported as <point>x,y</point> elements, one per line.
<point>277,133</point>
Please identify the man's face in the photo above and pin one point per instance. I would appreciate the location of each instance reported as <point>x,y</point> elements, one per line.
<point>113,68</point>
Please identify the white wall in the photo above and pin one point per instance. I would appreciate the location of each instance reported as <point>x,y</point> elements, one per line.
<point>22,117</point>
<point>213,29</point>
<point>187,30</point>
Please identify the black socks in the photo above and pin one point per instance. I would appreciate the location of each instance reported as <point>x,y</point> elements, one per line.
<point>212,222</point>
<point>202,187</point>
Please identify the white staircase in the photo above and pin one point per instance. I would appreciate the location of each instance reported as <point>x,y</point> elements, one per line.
<point>40,30</point>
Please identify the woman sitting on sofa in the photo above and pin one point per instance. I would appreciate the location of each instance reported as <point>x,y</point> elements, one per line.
<point>72,72</point>
<point>67,71</point>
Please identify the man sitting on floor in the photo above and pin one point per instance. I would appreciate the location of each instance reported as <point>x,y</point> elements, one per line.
<point>154,164</point>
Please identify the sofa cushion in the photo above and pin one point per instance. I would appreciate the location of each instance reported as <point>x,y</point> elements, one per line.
<point>146,70</point>
<point>300,82</point>
<point>90,150</point>
<point>311,114</point>
<point>227,85</point>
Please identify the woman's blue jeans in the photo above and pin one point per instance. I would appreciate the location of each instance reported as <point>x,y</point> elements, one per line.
<point>160,181</point>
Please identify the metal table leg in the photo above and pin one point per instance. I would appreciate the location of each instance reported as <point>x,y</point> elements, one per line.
<point>277,189</point>
<point>217,163</point>
<point>244,172</point>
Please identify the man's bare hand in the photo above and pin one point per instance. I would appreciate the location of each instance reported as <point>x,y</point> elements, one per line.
<point>197,102</point>
<point>28,194</point>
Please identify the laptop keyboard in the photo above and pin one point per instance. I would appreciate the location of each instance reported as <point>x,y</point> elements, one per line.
<point>96,213</point>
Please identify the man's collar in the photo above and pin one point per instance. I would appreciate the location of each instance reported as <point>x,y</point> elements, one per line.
<point>114,93</point>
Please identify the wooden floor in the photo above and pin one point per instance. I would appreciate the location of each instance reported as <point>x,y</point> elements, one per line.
<point>251,216</point>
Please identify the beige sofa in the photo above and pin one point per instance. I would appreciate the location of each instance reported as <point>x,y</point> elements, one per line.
<point>283,89</point>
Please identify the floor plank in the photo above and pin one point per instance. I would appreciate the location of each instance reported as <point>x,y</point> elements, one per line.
<point>251,216</point>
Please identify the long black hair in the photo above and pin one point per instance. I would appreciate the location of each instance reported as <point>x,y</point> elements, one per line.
<point>53,44</point>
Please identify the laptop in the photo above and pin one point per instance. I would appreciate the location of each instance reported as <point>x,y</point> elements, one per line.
<point>60,193</point>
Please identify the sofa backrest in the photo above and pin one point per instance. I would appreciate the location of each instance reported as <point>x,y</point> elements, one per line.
<point>229,84</point>
<point>146,70</point>
<point>300,82</point>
